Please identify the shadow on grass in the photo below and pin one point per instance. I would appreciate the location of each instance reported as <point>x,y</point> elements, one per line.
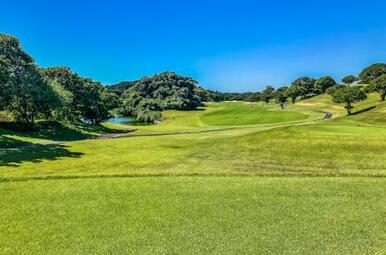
<point>34,153</point>
<point>9,142</point>
<point>54,131</point>
<point>364,110</point>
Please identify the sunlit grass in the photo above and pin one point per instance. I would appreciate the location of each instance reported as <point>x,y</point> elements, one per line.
<point>235,178</point>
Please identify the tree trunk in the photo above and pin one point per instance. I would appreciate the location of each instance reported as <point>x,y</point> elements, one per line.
<point>383,95</point>
<point>348,108</point>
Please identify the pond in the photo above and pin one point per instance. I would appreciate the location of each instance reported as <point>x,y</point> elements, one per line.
<point>126,120</point>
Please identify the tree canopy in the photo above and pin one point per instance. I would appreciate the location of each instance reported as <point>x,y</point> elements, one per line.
<point>23,91</point>
<point>164,91</point>
<point>304,86</point>
<point>323,83</point>
<point>349,79</point>
<point>267,94</point>
<point>372,72</point>
<point>82,99</point>
<point>379,85</point>
<point>348,95</point>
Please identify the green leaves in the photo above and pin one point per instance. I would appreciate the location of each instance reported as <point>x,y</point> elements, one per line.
<point>350,79</point>
<point>372,72</point>
<point>348,95</point>
<point>24,92</point>
<point>164,91</point>
<point>323,83</point>
<point>379,85</point>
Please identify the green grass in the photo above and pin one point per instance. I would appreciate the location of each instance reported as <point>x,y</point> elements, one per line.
<point>319,149</point>
<point>232,178</point>
<point>235,114</point>
<point>192,215</point>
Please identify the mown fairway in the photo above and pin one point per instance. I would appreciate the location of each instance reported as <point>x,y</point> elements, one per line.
<point>232,178</point>
<point>191,215</point>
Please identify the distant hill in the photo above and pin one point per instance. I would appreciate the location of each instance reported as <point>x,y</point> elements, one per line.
<point>120,87</point>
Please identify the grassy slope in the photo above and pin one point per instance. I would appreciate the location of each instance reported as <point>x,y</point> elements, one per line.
<point>219,215</point>
<point>334,147</point>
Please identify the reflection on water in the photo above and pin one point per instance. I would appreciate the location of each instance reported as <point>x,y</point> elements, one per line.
<point>126,120</point>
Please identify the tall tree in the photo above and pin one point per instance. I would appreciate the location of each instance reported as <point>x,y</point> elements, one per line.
<point>379,85</point>
<point>280,95</point>
<point>81,98</point>
<point>24,92</point>
<point>372,72</point>
<point>267,94</point>
<point>348,95</point>
<point>293,92</point>
<point>305,86</point>
<point>163,91</point>
<point>324,83</point>
<point>98,102</point>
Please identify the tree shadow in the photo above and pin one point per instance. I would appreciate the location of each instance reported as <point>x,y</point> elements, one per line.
<point>364,110</point>
<point>9,142</point>
<point>55,131</point>
<point>34,153</point>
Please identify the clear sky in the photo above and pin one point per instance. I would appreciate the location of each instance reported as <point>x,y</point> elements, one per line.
<point>225,45</point>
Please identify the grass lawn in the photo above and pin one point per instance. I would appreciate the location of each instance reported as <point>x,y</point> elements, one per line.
<point>233,178</point>
<point>194,215</point>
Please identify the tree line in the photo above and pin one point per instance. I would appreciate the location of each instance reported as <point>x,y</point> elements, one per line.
<point>371,79</point>
<point>29,92</point>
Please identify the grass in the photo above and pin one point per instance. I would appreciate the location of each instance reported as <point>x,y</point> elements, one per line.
<point>193,215</point>
<point>233,178</point>
<point>235,114</point>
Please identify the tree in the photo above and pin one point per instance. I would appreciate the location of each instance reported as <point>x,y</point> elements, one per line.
<point>267,94</point>
<point>98,102</point>
<point>324,83</point>
<point>164,91</point>
<point>348,95</point>
<point>254,97</point>
<point>372,72</point>
<point>331,90</point>
<point>82,99</point>
<point>305,86</point>
<point>293,92</point>
<point>350,79</point>
<point>379,85</point>
<point>280,95</point>
<point>24,92</point>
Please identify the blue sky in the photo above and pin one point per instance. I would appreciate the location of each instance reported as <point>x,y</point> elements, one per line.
<point>225,45</point>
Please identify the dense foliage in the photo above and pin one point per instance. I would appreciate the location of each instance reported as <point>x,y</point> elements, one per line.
<point>372,72</point>
<point>323,83</point>
<point>379,85</point>
<point>30,93</point>
<point>349,79</point>
<point>81,98</point>
<point>348,95</point>
<point>121,87</point>
<point>23,92</point>
<point>305,87</point>
<point>164,91</point>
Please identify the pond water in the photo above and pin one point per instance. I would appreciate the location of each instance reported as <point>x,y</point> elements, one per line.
<point>126,120</point>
